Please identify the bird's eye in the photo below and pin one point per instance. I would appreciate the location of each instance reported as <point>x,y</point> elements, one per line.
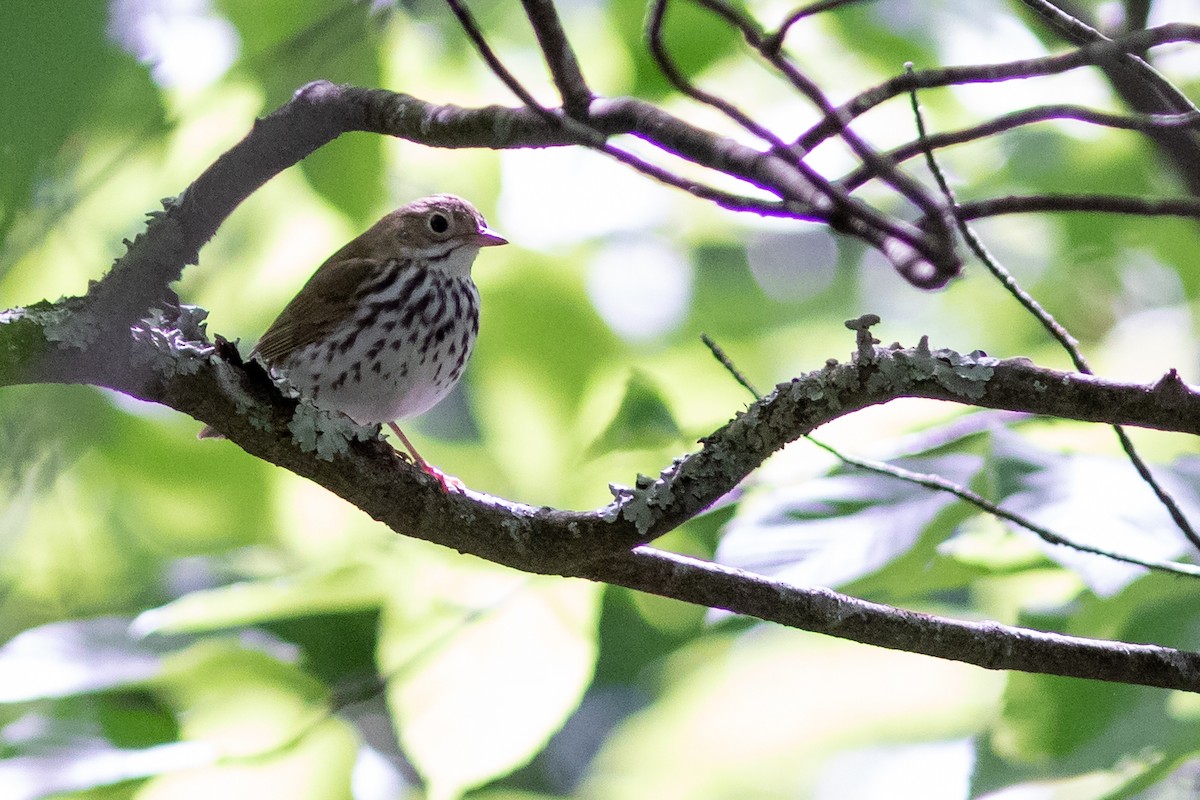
<point>438,223</point>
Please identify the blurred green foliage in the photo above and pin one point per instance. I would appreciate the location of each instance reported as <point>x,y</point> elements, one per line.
<point>180,620</point>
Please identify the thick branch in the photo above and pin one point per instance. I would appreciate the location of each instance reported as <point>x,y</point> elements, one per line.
<point>250,410</point>
<point>602,544</point>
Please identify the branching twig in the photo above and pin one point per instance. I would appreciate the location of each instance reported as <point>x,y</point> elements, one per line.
<point>596,138</point>
<point>1021,69</point>
<point>938,483</point>
<point>1056,330</point>
<point>1077,31</point>
<point>936,245</point>
<point>774,42</point>
<point>560,57</point>
<point>1026,116</point>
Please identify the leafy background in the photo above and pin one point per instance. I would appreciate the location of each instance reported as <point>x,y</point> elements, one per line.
<point>183,621</point>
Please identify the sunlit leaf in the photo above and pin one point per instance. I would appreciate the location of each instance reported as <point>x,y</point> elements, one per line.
<point>267,724</point>
<point>254,602</point>
<point>1097,501</point>
<point>476,691</point>
<point>833,530</point>
<point>77,656</point>
<point>1053,727</point>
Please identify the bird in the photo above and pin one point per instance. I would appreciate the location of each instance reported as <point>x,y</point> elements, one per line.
<point>384,328</point>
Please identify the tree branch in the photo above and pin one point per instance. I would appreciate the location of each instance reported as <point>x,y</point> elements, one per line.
<point>990,645</point>
<point>1090,55</point>
<point>167,359</point>
<point>1026,116</point>
<point>213,386</point>
<point>560,57</point>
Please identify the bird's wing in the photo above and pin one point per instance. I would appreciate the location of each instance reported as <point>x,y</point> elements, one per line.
<point>324,302</point>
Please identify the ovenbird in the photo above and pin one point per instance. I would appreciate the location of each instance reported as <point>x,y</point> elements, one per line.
<point>383,329</point>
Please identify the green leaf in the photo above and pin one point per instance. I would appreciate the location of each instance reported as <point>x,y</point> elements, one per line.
<point>837,529</point>
<point>1093,500</point>
<point>289,43</point>
<point>1054,727</point>
<point>643,420</point>
<point>694,38</point>
<point>348,588</point>
<point>478,690</point>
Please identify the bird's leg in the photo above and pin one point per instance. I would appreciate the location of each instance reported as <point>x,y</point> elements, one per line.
<point>447,482</point>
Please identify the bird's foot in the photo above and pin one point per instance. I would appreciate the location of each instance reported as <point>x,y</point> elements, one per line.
<point>447,482</point>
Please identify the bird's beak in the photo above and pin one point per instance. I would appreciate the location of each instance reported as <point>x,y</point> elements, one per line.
<point>486,237</point>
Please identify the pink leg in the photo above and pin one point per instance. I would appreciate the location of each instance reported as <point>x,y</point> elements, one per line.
<point>447,482</point>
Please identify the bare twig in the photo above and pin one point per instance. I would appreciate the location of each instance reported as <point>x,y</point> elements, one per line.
<point>985,644</point>
<point>1026,116</point>
<point>1188,207</point>
<point>935,244</point>
<point>589,135</point>
<point>1079,32</point>
<point>470,27</point>
<point>940,484</point>
<point>774,42</point>
<point>560,57</point>
<point>726,362</point>
<point>1022,69</point>
<point>1055,329</point>
<point>1139,85</point>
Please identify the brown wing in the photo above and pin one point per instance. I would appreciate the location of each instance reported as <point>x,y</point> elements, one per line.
<point>324,302</point>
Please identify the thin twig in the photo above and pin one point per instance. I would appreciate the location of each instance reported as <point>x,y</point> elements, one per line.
<point>887,171</point>
<point>1026,116</point>
<point>588,136</point>
<point>1021,69</point>
<point>1188,207</point>
<point>560,57</point>
<point>1077,31</point>
<point>940,484</point>
<point>655,21</point>
<point>1047,320</point>
<point>467,20</point>
<point>728,364</point>
<point>774,42</point>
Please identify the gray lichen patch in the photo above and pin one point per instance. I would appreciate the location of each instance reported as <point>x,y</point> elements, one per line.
<point>328,434</point>
<point>67,323</point>
<point>174,345</point>
<point>962,375</point>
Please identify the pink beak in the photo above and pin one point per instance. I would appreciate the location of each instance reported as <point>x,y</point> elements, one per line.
<point>486,237</point>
